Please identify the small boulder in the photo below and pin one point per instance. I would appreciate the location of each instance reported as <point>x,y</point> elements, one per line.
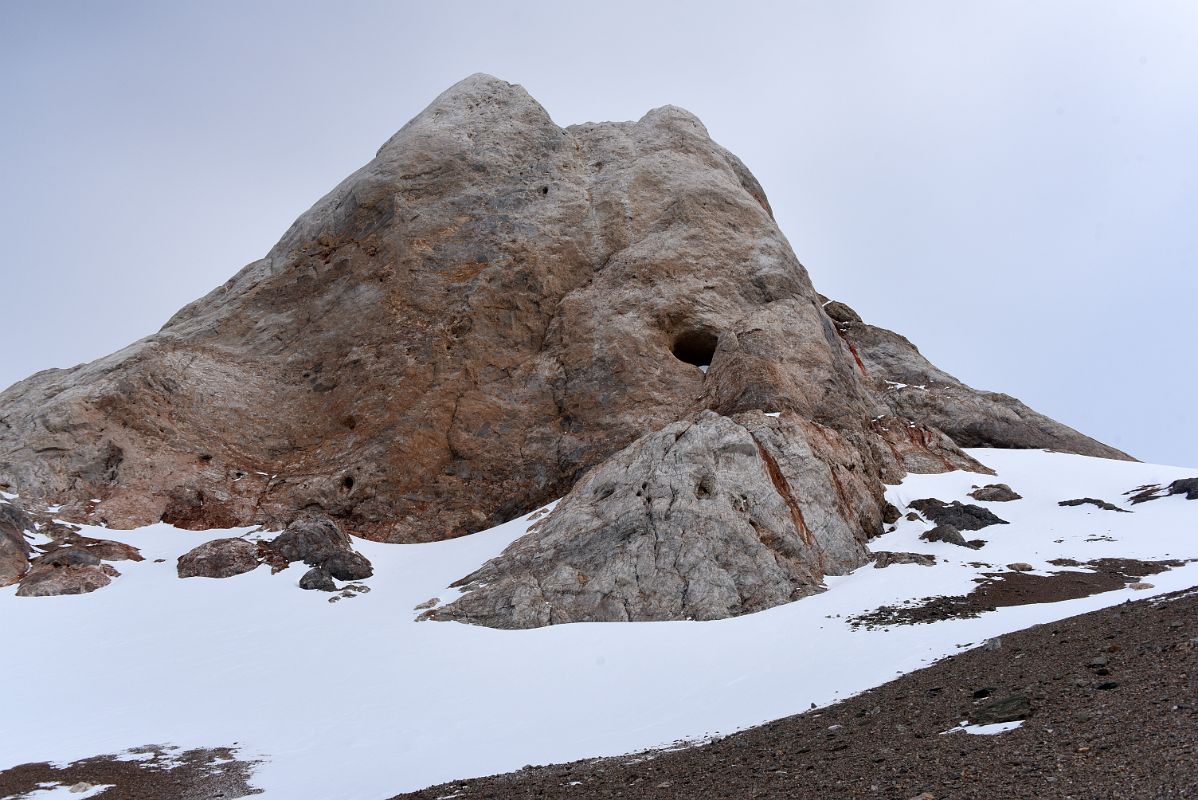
<point>318,580</point>
<point>883,559</point>
<point>1005,709</point>
<point>1186,486</point>
<point>46,580</point>
<point>995,493</point>
<point>1020,566</point>
<point>945,533</point>
<point>349,566</point>
<point>219,558</point>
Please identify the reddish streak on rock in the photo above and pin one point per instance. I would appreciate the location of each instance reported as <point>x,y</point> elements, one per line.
<point>779,481</point>
<point>856,357</point>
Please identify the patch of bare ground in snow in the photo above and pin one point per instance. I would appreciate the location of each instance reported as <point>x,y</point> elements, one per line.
<point>1018,588</point>
<point>153,772</point>
<point>1112,698</point>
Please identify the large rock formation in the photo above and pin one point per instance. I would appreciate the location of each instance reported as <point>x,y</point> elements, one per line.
<point>700,520</point>
<point>456,333</point>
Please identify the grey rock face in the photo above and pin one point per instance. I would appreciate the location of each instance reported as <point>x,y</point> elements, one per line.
<point>701,520</point>
<point>995,493</point>
<point>219,558</point>
<point>914,389</point>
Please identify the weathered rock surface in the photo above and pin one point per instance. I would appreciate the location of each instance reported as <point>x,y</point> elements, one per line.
<point>995,493</point>
<point>219,558</point>
<point>319,543</point>
<point>317,579</point>
<point>704,519</point>
<point>963,516</point>
<point>14,549</point>
<point>450,337</point>
<point>1093,501</point>
<point>948,533</point>
<point>45,580</point>
<point>459,330</point>
<point>914,389</point>
<point>885,558</point>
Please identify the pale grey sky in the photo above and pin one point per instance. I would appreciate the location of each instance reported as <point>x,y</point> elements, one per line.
<point>1012,185</point>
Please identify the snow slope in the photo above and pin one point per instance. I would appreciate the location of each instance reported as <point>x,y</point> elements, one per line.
<point>355,699</point>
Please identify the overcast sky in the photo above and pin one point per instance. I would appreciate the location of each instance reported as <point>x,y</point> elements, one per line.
<point>1013,186</point>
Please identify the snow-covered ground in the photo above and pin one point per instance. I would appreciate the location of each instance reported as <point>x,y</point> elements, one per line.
<point>355,699</point>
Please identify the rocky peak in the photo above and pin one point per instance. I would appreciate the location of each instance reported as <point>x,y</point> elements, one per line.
<point>455,334</point>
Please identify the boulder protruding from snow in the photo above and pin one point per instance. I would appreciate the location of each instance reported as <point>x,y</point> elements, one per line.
<point>47,580</point>
<point>962,516</point>
<point>219,558</point>
<point>319,543</point>
<point>704,519</point>
<point>995,493</point>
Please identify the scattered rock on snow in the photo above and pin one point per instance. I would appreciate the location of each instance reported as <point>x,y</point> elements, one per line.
<point>1186,486</point>
<point>962,516</point>
<point>317,579</point>
<point>1104,505</point>
<point>46,580</point>
<point>995,493</point>
<point>949,534</point>
<point>219,558</point>
<point>883,559</point>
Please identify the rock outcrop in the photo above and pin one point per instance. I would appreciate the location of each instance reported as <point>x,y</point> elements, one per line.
<point>456,333</point>
<point>914,389</point>
<point>697,521</point>
<point>14,549</point>
<point>315,541</point>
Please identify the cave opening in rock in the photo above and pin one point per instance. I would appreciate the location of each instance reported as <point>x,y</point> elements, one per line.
<point>695,346</point>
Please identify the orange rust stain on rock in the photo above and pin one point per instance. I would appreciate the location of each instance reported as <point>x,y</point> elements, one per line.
<point>779,481</point>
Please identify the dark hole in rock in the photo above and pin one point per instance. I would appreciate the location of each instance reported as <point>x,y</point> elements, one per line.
<point>695,346</point>
<point>544,190</point>
<point>347,482</point>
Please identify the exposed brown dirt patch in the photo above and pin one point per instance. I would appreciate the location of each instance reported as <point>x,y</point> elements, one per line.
<point>153,772</point>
